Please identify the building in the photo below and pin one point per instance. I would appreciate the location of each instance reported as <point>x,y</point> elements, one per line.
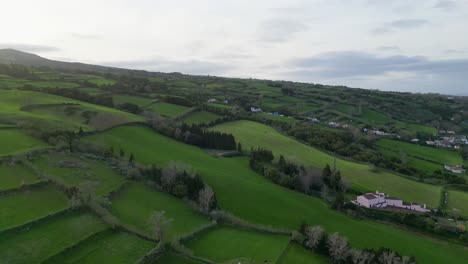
<point>457,169</point>
<point>255,110</point>
<point>380,200</point>
<point>212,100</point>
<point>415,140</point>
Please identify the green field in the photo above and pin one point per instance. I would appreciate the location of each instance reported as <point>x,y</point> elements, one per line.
<point>106,247</point>
<point>167,109</point>
<point>252,134</point>
<point>440,156</point>
<point>253,198</point>
<point>283,119</point>
<point>298,255</point>
<point>20,208</point>
<point>14,141</point>
<point>173,258</point>
<point>200,117</point>
<point>132,206</point>
<point>74,170</point>
<point>458,203</point>
<point>12,177</point>
<point>102,81</point>
<point>140,101</point>
<point>43,240</point>
<point>227,243</point>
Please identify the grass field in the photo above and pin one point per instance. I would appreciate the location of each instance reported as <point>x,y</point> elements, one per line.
<point>167,109</point>
<point>12,177</point>
<point>227,243</point>
<point>14,141</point>
<point>137,202</point>
<point>74,170</point>
<point>253,198</point>
<point>252,134</point>
<point>200,117</point>
<point>102,81</point>
<point>283,119</point>
<point>140,101</point>
<point>106,247</point>
<point>173,258</point>
<point>20,208</point>
<point>441,156</point>
<point>41,241</point>
<point>298,255</point>
<point>458,203</point>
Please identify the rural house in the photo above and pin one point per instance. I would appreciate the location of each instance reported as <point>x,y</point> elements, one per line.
<point>380,200</point>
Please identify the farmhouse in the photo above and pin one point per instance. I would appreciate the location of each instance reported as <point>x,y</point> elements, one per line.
<point>380,200</point>
<point>255,110</point>
<point>212,100</point>
<point>457,169</point>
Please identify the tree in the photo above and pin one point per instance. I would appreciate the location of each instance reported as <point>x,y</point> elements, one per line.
<point>206,198</point>
<point>389,257</point>
<point>159,224</point>
<point>326,175</point>
<point>121,153</point>
<point>131,160</point>
<point>338,248</point>
<point>239,147</point>
<point>314,236</point>
<point>361,256</point>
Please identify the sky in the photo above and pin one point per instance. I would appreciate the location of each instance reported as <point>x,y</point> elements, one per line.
<point>396,45</point>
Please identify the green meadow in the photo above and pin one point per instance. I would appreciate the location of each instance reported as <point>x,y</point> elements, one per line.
<point>23,207</point>
<point>74,170</point>
<point>299,255</point>
<point>102,81</point>
<point>13,176</point>
<point>137,202</point>
<point>140,101</point>
<point>361,176</point>
<point>173,258</point>
<point>14,141</point>
<point>200,117</point>
<point>105,247</point>
<point>225,243</point>
<point>252,197</point>
<point>458,203</point>
<point>167,109</point>
<point>38,242</point>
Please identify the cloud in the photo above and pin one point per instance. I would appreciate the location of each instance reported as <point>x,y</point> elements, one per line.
<point>197,67</point>
<point>28,47</point>
<point>445,4</point>
<point>280,29</point>
<point>389,48</point>
<point>84,36</point>
<point>399,24</point>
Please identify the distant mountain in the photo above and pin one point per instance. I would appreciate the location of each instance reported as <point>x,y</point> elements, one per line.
<point>11,56</point>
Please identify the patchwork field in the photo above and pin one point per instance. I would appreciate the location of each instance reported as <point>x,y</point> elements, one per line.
<point>132,206</point>
<point>167,109</point>
<point>298,255</point>
<point>40,241</point>
<point>12,177</point>
<point>74,170</point>
<point>140,101</point>
<point>253,198</point>
<point>458,203</point>
<point>252,134</point>
<point>200,117</point>
<point>23,207</point>
<point>14,141</point>
<point>227,244</point>
<point>105,247</point>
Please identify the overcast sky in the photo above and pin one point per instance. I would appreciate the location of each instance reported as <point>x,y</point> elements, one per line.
<point>405,45</point>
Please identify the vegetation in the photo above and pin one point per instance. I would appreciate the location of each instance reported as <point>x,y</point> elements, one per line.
<point>458,203</point>
<point>200,117</point>
<point>15,142</point>
<point>167,109</point>
<point>299,255</point>
<point>15,175</point>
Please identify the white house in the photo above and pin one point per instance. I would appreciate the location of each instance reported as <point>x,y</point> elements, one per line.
<point>415,140</point>
<point>255,110</point>
<point>380,200</point>
<point>212,100</point>
<point>457,169</point>
<point>371,200</point>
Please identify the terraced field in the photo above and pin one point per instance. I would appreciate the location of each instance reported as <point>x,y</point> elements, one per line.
<point>200,117</point>
<point>252,134</point>
<point>228,244</point>
<point>298,255</point>
<point>23,207</point>
<point>255,199</point>
<point>105,247</point>
<point>38,242</point>
<point>167,109</point>
<point>458,203</point>
<point>13,176</point>
<point>14,141</point>
<point>74,170</point>
<point>132,207</point>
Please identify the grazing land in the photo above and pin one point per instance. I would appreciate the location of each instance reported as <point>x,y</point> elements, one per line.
<point>133,208</point>
<point>298,255</point>
<point>167,109</point>
<point>140,101</point>
<point>105,247</point>
<point>42,240</point>
<point>74,170</point>
<point>227,243</point>
<point>253,198</point>
<point>26,206</point>
<point>458,203</point>
<point>361,176</point>
<point>173,258</point>
<point>15,142</point>
<point>13,176</point>
<point>200,117</point>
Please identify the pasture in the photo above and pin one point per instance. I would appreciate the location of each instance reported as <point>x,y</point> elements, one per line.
<point>74,170</point>
<point>361,176</point>
<point>250,196</point>
<point>137,202</point>
<point>40,241</point>
<point>106,247</point>
<point>13,176</point>
<point>200,117</point>
<point>167,109</point>
<point>225,243</point>
<point>140,101</point>
<point>458,203</point>
<point>298,255</point>
<point>26,206</point>
<point>14,141</point>
<point>173,258</point>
